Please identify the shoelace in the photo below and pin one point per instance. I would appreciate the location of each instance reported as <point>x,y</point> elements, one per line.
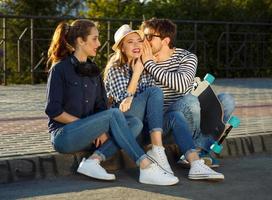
<point>162,157</point>
<point>93,160</point>
<point>97,163</point>
<point>203,166</point>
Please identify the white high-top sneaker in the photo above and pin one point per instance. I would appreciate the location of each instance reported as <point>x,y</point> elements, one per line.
<point>92,168</point>
<point>199,170</point>
<point>154,175</point>
<point>157,153</point>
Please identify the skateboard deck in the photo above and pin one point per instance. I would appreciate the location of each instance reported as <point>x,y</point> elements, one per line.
<point>212,113</point>
<point>211,110</point>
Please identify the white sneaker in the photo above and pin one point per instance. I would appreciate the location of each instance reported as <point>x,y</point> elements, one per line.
<point>185,164</point>
<point>154,175</point>
<point>199,170</point>
<point>158,155</point>
<point>92,168</point>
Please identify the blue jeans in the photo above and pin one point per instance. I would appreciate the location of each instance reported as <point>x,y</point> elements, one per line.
<point>175,122</point>
<point>189,106</point>
<point>109,148</point>
<point>148,106</point>
<point>78,135</point>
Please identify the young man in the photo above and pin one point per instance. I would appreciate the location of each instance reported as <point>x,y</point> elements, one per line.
<point>174,71</point>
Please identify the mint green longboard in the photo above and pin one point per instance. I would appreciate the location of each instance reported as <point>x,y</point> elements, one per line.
<point>212,113</point>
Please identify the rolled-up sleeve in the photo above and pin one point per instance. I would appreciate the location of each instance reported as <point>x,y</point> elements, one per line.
<point>54,97</point>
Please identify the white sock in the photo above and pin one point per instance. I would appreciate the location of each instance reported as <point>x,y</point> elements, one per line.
<point>94,157</point>
<point>195,162</point>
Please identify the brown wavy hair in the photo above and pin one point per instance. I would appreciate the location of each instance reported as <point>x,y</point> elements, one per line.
<point>64,39</point>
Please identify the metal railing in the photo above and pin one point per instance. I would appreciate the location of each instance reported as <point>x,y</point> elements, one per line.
<point>222,47</point>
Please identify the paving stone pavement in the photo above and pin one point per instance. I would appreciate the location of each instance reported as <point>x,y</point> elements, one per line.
<point>23,124</point>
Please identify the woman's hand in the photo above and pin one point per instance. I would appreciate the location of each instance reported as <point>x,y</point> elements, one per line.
<point>147,52</point>
<point>100,140</point>
<point>125,104</point>
<point>137,66</point>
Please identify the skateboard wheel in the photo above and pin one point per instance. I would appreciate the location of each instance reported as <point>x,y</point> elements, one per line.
<point>216,148</point>
<point>209,78</point>
<point>234,121</point>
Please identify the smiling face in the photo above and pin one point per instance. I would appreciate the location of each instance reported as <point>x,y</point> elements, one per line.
<point>90,45</point>
<point>132,46</point>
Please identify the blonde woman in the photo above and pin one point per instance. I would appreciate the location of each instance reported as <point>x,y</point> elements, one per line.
<point>133,90</point>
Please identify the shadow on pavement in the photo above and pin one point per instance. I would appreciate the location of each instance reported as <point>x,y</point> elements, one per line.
<point>245,178</point>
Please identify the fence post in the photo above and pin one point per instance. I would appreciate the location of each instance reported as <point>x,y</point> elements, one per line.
<point>195,37</point>
<point>4,52</point>
<point>32,50</point>
<point>108,39</point>
<point>227,50</point>
<point>18,50</point>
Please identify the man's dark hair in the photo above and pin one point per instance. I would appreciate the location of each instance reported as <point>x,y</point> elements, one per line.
<point>164,27</point>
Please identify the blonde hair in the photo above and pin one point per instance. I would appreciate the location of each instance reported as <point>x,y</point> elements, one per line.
<point>117,59</point>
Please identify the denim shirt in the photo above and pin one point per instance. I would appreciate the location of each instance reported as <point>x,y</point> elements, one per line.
<point>69,92</point>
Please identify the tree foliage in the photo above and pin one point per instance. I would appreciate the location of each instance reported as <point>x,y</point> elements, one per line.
<point>126,10</point>
<point>223,10</point>
<point>259,11</point>
<point>42,31</point>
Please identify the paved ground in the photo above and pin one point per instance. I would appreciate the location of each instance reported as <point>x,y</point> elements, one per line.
<point>23,124</point>
<point>246,178</point>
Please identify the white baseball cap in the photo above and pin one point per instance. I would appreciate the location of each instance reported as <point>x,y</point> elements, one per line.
<point>122,32</point>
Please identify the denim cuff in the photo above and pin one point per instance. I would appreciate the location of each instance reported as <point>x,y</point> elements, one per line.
<point>97,152</point>
<point>204,142</point>
<point>189,151</point>
<point>144,156</point>
<point>156,129</point>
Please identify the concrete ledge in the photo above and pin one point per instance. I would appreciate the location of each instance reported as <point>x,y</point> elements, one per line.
<point>246,145</point>
<point>39,166</point>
